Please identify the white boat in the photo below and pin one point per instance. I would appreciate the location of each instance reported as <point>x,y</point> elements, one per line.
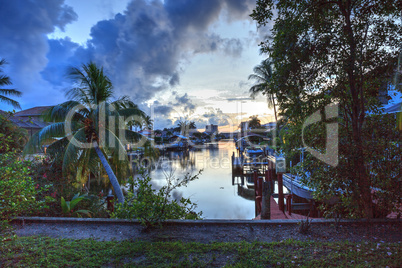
<point>294,184</point>
<point>254,152</point>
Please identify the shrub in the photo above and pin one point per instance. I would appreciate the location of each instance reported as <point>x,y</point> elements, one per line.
<point>152,207</point>
<point>19,192</point>
<point>11,137</point>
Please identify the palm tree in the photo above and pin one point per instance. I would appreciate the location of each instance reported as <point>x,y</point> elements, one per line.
<point>89,127</point>
<point>148,122</point>
<point>185,126</point>
<point>254,122</point>
<point>5,81</point>
<point>262,75</point>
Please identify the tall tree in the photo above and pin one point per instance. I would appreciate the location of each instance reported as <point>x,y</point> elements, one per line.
<point>254,122</point>
<point>89,124</point>
<point>4,93</point>
<point>262,75</point>
<point>334,52</point>
<point>148,122</point>
<point>185,126</point>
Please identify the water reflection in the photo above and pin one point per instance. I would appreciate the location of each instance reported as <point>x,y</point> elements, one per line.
<point>214,193</point>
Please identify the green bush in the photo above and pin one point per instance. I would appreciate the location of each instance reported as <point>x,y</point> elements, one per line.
<point>11,137</point>
<point>152,207</point>
<point>19,192</point>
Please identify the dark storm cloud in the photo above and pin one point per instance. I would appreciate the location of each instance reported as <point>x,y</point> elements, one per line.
<point>24,26</point>
<point>62,50</point>
<point>161,109</point>
<point>185,102</point>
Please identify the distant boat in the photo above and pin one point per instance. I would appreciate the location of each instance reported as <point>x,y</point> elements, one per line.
<point>250,140</point>
<point>254,152</point>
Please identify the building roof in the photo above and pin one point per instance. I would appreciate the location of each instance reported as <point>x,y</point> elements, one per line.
<point>24,122</point>
<point>28,122</point>
<point>35,111</point>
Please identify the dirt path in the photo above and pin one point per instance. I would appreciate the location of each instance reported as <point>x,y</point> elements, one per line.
<point>209,232</point>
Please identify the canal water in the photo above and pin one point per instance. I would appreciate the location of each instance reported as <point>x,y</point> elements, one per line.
<point>213,191</point>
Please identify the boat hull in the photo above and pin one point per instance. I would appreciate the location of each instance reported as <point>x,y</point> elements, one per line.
<point>295,186</point>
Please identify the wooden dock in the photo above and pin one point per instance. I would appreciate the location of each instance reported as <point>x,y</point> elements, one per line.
<point>277,214</point>
<point>262,174</point>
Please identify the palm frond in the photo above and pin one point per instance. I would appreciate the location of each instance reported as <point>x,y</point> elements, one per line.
<point>59,112</point>
<point>132,112</point>
<point>132,136</point>
<point>46,135</point>
<point>73,152</point>
<point>11,102</point>
<point>124,102</point>
<point>57,147</point>
<point>5,80</point>
<point>10,92</point>
<point>93,84</point>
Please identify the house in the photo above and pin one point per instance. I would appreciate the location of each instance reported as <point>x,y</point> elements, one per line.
<point>270,126</point>
<point>30,119</point>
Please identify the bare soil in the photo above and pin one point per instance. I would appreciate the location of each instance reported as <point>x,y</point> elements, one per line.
<point>208,233</point>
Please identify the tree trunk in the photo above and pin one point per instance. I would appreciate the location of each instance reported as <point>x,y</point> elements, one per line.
<point>358,114</point>
<point>112,178</point>
<point>273,102</point>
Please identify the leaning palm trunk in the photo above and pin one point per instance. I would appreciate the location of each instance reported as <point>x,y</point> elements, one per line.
<point>273,103</point>
<point>112,178</point>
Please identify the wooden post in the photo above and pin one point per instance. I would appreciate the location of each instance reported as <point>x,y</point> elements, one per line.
<point>266,198</point>
<point>280,191</point>
<point>255,192</point>
<point>271,175</point>
<point>110,202</point>
<point>233,156</point>
<point>289,204</point>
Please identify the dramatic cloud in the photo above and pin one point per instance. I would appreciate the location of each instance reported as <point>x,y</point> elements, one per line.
<point>24,26</point>
<point>144,49</point>
<point>185,102</point>
<point>162,110</point>
<point>216,117</point>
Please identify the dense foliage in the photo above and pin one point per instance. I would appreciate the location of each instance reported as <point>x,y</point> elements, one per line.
<point>381,151</point>
<point>343,53</point>
<point>11,136</point>
<point>20,194</point>
<point>90,127</point>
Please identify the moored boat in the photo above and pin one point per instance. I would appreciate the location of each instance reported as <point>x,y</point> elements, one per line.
<point>294,184</point>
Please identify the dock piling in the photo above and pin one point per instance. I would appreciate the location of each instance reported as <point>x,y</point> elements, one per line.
<point>280,192</point>
<point>266,201</point>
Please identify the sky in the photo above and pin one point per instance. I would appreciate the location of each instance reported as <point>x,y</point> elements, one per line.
<point>177,59</point>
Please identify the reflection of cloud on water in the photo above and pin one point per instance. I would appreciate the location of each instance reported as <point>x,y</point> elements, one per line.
<point>213,192</point>
<point>235,212</point>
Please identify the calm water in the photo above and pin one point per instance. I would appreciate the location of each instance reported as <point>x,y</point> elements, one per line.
<point>213,192</point>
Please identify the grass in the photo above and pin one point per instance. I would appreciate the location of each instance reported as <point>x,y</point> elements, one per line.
<point>50,252</point>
